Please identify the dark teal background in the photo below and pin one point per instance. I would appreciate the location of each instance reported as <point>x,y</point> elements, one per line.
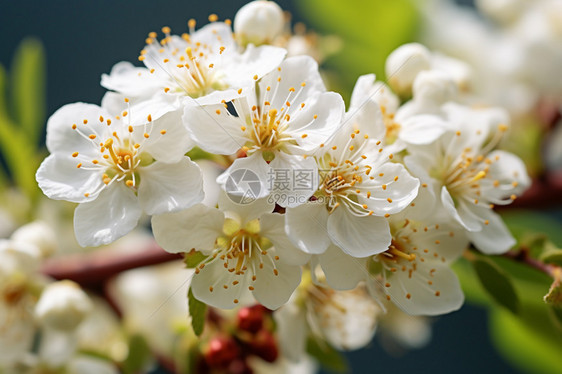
<point>84,39</point>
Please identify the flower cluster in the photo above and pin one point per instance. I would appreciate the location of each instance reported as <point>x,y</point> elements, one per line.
<point>384,195</point>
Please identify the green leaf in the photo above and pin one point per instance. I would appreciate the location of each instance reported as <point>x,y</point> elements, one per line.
<point>522,222</point>
<point>530,349</point>
<point>193,258</point>
<point>497,283</point>
<point>19,155</point>
<point>326,355</point>
<point>556,316</point>
<point>28,88</point>
<point>197,311</point>
<point>139,355</point>
<point>551,254</point>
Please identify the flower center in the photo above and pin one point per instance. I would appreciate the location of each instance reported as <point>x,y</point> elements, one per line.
<point>189,65</point>
<point>242,251</point>
<point>342,172</point>
<point>118,156</point>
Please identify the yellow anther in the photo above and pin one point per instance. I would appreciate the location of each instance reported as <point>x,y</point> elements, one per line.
<point>163,132</point>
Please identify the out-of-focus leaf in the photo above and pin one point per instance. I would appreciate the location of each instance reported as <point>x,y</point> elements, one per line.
<point>19,155</point>
<point>139,355</point>
<point>524,222</point>
<point>556,316</point>
<point>28,88</point>
<point>497,283</point>
<point>551,254</point>
<point>525,142</point>
<point>198,312</point>
<point>328,357</point>
<point>529,348</point>
<point>193,258</point>
<point>370,31</point>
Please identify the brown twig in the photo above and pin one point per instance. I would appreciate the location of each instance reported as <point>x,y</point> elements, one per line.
<point>524,257</point>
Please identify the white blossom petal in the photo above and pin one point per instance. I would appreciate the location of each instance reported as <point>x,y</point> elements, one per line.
<point>170,187</point>
<point>272,227</point>
<point>114,213</point>
<point>306,225</point>
<point>358,236</point>
<point>342,271</point>
<point>195,228</point>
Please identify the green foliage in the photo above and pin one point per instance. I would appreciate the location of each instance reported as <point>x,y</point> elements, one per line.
<point>370,30</point>
<point>139,355</point>
<point>551,254</point>
<point>22,126</point>
<point>328,357</point>
<point>497,283</point>
<point>28,88</point>
<point>532,338</point>
<point>193,258</point>
<point>529,348</point>
<point>198,312</point>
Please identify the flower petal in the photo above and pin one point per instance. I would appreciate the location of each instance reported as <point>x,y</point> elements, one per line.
<point>415,296</point>
<point>62,138</point>
<point>245,212</point>
<point>391,192</point>
<point>306,226</point>
<point>272,227</point>
<point>169,140</point>
<point>494,238</point>
<point>114,213</point>
<point>197,227</point>
<point>214,129</point>
<point>60,179</point>
<point>358,236</point>
<point>294,179</point>
<point>247,178</point>
<point>170,187</point>
<point>342,271</point>
<point>216,286</point>
<point>284,283</point>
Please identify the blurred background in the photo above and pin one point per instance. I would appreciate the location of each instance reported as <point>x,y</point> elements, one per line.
<point>83,39</point>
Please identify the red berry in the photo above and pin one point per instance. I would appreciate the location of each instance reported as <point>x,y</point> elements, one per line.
<point>251,318</point>
<point>221,352</point>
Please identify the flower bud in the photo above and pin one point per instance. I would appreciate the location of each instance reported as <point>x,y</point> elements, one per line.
<point>40,235</point>
<point>504,11</point>
<point>404,64</point>
<point>434,87</point>
<point>62,306</point>
<point>258,22</point>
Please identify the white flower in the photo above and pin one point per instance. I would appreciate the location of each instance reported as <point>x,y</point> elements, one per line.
<point>62,306</point>
<point>347,320</point>
<point>247,250</point>
<point>285,116</point>
<point>258,22</point>
<point>204,65</point>
<point>404,64</point>
<point>18,277</point>
<point>368,89</point>
<point>360,186</point>
<point>469,177</point>
<point>413,272</point>
<point>39,234</point>
<point>116,169</point>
